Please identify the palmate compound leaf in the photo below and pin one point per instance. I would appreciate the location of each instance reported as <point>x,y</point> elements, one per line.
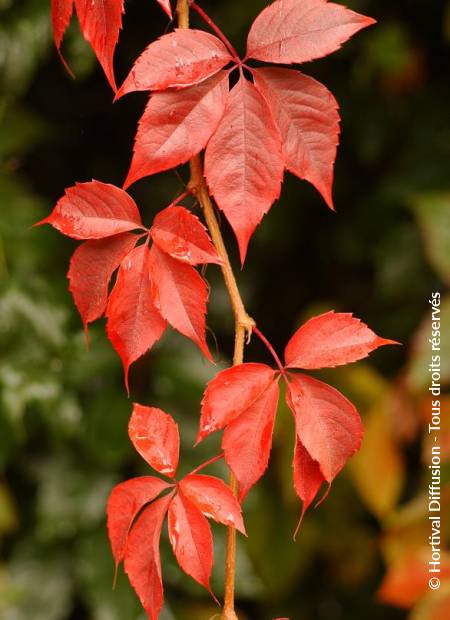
<point>307,118</point>
<point>154,434</point>
<point>180,294</point>
<point>91,268</point>
<point>176,125</point>
<point>247,181</point>
<point>134,322</point>
<point>296,31</point>
<point>179,233</point>
<point>176,60</point>
<point>331,339</point>
<point>327,424</point>
<point>94,210</point>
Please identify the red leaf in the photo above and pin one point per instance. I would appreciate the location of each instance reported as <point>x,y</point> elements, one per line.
<point>243,161</point>
<point>331,339</point>
<point>176,125</point>
<point>134,323</point>
<point>165,4</point>
<point>155,436</point>
<point>91,267</point>
<point>294,31</point>
<point>61,14</point>
<point>191,539</point>
<point>100,22</point>
<point>94,210</point>
<point>247,440</point>
<point>179,233</point>
<point>307,476</point>
<point>307,118</point>
<point>142,560</point>
<point>214,499</point>
<point>181,58</point>
<point>180,295</point>
<point>230,393</point>
<point>328,425</point>
<point>124,503</point>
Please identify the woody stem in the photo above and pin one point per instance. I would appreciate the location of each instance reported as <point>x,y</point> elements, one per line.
<point>244,324</point>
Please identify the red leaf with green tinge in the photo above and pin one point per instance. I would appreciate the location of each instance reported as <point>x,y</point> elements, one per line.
<point>155,436</point>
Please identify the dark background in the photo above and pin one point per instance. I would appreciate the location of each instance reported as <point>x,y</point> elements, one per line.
<point>63,409</point>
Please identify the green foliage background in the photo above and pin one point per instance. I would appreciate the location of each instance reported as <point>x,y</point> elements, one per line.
<point>63,408</point>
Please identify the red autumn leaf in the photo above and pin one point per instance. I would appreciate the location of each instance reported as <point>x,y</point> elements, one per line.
<point>296,31</point>
<point>307,476</point>
<point>134,323</point>
<point>331,339</point>
<point>61,14</point>
<point>176,231</point>
<point>176,125</point>
<point>181,58</point>
<point>180,295</point>
<point>230,393</point>
<point>100,23</point>
<point>155,436</point>
<point>328,425</point>
<point>247,440</point>
<point>214,499</point>
<point>142,559</point>
<point>191,539</point>
<point>91,268</point>
<point>124,503</point>
<point>246,182</point>
<point>307,118</point>
<point>94,210</point>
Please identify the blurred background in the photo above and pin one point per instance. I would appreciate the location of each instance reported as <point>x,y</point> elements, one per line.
<point>64,411</point>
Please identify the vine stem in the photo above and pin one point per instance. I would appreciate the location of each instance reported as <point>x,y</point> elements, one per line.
<point>244,324</point>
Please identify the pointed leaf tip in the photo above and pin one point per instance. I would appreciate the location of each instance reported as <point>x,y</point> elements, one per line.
<point>331,339</point>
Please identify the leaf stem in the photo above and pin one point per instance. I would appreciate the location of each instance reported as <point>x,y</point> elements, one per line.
<point>217,30</point>
<point>244,324</point>
<point>210,461</point>
<point>271,350</point>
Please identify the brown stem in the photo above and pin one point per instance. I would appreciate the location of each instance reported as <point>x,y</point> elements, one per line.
<point>244,324</point>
